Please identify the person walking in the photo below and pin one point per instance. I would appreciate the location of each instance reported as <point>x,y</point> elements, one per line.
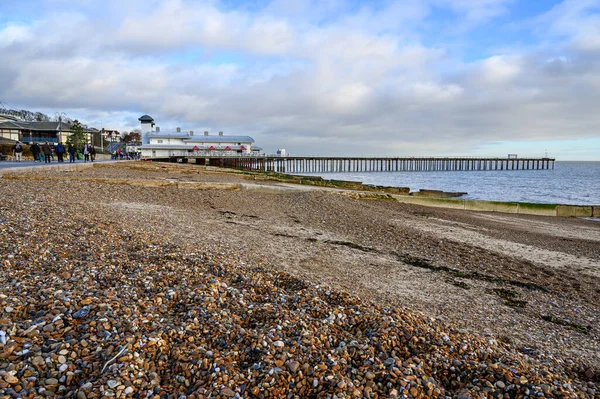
<point>60,151</point>
<point>47,152</point>
<point>72,153</point>
<point>35,150</point>
<point>17,151</point>
<point>92,153</point>
<point>86,153</point>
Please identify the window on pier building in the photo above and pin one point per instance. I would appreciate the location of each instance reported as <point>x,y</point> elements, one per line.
<point>159,141</point>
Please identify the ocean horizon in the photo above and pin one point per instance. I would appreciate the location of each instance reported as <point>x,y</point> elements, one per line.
<point>569,183</point>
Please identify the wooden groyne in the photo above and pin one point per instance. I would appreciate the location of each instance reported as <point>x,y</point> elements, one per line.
<point>366,164</point>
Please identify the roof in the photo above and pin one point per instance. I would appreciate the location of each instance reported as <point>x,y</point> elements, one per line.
<point>146,118</point>
<point>201,138</point>
<point>180,147</point>
<point>166,135</point>
<point>32,125</point>
<point>220,139</point>
<point>38,126</point>
<point>164,147</point>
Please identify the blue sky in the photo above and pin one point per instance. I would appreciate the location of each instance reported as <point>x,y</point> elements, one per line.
<point>335,77</point>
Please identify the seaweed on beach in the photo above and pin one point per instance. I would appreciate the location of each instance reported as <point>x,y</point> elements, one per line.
<point>510,298</point>
<point>472,275</point>
<point>573,326</point>
<point>459,284</point>
<point>351,245</point>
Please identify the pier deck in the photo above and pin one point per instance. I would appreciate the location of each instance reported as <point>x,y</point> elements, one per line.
<point>367,164</point>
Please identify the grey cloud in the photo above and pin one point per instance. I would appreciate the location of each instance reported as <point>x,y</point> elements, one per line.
<point>333,89</point>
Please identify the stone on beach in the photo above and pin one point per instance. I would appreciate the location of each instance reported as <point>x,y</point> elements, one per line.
<point>103,309</point>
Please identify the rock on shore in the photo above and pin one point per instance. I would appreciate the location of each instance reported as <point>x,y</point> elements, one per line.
<point>90,308</point>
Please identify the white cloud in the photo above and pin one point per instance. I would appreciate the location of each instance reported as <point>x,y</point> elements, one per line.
<point>15,34</point>
<point>312,75</point>
<point>576,21</point>
<point>499,70</point>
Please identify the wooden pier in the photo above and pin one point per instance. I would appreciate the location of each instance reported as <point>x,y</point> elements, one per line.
<point>367,164</point>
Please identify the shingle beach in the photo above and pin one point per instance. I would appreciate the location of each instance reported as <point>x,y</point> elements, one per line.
<point>116,290</point>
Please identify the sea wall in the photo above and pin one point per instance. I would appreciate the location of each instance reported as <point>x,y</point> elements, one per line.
<point>522,208</point>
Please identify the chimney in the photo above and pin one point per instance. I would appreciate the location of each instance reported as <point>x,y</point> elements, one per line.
<point>220,133</point>
<point>157,129</point>
<point>206,133</point>
<point>191,132</point>
<point>178,130</point>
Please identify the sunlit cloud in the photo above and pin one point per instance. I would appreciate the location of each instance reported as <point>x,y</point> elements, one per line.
<point>319,76</point>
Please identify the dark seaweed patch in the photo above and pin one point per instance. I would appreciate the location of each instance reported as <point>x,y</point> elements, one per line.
<point>425,264</point>
<point>573,326</point>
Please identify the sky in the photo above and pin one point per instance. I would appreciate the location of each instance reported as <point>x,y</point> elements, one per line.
<point>319,77</point>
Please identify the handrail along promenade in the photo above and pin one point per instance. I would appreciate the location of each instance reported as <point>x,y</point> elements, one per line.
<point>317,164</point>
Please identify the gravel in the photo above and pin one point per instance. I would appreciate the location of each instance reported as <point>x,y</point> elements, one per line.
<point>113,290</point>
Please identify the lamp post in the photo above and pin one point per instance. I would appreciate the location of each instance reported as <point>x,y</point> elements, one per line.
<point>59,115</point>
<point>101,132</point>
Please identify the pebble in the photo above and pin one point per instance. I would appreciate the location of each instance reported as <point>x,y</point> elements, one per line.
<point>81,313</point>
<point>103,308</point>
<point>51,381</point>
<point>11,379</point>
<point>293,366</point>
<point>112,383</point>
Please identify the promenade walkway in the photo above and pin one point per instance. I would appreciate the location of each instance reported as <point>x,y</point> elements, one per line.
<point>27,164</point>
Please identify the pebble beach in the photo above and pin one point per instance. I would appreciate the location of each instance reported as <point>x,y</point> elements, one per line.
<point>116,290</point>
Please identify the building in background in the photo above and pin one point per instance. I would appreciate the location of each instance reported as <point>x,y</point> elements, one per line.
<point>168,144</point>
<point>29,132</point>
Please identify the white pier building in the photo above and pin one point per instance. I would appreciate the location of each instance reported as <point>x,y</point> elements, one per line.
<point>172,144</point>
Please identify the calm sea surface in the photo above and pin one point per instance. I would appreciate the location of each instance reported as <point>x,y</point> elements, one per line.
<point>569,183</point>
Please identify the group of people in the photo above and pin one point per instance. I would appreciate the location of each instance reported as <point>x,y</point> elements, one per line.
<point>120,154</point>
<point>47,151</point>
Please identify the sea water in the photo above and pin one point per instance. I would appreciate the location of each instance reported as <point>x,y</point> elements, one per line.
<point>576,183</point>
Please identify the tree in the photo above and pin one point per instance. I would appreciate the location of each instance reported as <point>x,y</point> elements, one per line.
<point>98,138</point>
<point>134,136</point>
<point>25,115</point>
<point>78,136</point>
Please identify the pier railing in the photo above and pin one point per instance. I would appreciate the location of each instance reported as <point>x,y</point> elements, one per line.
<point>367,164</point>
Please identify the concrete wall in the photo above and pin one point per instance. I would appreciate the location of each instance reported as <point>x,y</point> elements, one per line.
<point>574,211</point>
<point>522,208</point>
<point>434,202</point>
<point>537,209</point>
<point>494,206</point>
